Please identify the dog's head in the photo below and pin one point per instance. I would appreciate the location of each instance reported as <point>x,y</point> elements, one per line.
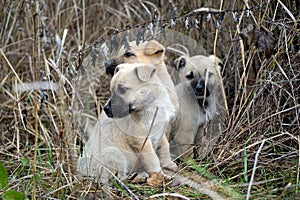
<point>147,52</point>
<point>131,89</point>
<point>199,73</point>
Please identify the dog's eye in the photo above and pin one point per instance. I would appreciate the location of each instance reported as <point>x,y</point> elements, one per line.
<point>128,54</point>
<point>190,75</point>
<point>122,89</point>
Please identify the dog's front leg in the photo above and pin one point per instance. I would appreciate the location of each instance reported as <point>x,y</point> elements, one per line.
<point>151,163</point>
<point>204,141</point>
<point>148,157</point>
<point>163,153</point>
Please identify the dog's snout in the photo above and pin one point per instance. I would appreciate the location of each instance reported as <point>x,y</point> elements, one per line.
<point>200,89</point>
<point>107,109</point>
<point>131,109</point>
<point>110,66</point>
<point>108,63</point>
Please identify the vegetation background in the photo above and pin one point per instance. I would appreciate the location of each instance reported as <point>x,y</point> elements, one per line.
<point>40,130</point>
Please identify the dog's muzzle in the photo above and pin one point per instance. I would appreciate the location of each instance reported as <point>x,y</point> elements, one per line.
<point>199,89</point>
<point>117,111</point>
<point>107,109</point>
<point>110,66</point>
<point>200,92</point>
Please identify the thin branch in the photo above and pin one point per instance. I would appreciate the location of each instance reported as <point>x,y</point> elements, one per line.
<point>170,195</point>
<point>254,168</point>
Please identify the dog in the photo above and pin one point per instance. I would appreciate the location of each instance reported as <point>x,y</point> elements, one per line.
<point>198,93</point>
<point>130,134</point>
<point>151,52</point>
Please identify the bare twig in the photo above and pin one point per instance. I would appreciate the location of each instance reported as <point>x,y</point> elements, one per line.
<point>289,13</point>
<point>36,120</point>
<point>143,145</point>
<point>170,195</point>
<point>254,168</point>
<point>298,171</point>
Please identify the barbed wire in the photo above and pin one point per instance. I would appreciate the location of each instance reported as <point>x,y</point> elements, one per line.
<point>170,22</point>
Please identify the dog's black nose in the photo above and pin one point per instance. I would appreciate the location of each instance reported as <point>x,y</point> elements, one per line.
<point>110,66</point>
<point>131,109</point>
<point>107,109</point>
<point>199,89</point>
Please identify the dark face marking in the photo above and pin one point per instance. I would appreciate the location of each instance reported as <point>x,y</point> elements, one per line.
<point>108,110</point>
<point>121,89</point>
<point>199,86</point>
<point>190,75</point>
<point>116,107</point>
<point>128,54</point>
<point>110,66</point>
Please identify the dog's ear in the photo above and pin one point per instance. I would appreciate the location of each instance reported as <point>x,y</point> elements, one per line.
<point>180,63</point>
<point>145,72</point>
<point>218,60</point>
<point>154,48</point>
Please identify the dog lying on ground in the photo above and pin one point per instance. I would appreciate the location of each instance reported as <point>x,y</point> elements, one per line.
<point>125,140</point>
<point>198,98</point>
<point>147,52</point>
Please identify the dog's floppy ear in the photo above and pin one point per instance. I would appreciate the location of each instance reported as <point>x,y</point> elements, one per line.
<point>218,60</point>
<point>180,63</point>
<point>145,72</point>
<point>154,48</point>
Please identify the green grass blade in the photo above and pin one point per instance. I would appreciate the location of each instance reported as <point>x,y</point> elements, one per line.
<point>3,176</point>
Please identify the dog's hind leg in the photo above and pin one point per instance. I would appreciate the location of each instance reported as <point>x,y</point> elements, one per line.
<point>115,161</point>
<point>110,161</point>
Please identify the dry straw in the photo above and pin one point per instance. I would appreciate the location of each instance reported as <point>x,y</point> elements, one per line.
<point>60,42</point>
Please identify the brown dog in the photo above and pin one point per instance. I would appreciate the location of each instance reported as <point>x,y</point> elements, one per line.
<point>130,135</point>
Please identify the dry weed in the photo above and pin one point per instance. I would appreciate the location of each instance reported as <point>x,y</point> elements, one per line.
<point>41,130</point>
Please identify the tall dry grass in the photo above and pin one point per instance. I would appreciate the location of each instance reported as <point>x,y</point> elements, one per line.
<point>41,130</point>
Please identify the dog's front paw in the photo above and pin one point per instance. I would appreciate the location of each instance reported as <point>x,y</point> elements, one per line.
<point>171,166</point>
<point>140,177</point>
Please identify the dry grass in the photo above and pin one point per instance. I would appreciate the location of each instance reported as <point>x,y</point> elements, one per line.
<point>40,130</point>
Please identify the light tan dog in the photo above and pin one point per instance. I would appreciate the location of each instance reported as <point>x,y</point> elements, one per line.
<point>125,140</point>
<point>198,98</point>
<point>147,52</point>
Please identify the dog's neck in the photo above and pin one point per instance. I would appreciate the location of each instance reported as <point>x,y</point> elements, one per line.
<point>208,107</point>
<point>161,67</point>
<point>164,106</point>
<point>163,74</point>
<point>203,104</point>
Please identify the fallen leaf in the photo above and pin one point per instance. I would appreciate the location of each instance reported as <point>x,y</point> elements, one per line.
<point>263,40</point>
<point>156,179</point>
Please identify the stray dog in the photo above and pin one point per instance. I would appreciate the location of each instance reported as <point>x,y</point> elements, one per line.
<point>147,52</point>
<point>198,98</point>
<point>130,134</point>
